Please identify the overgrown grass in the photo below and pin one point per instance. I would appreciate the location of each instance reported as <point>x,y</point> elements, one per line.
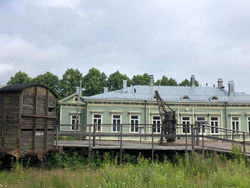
<point>190,170</point>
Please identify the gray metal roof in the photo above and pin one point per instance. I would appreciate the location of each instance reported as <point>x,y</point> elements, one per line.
<point>174,94</point>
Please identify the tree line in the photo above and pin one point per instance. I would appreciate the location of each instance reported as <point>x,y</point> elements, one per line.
<point>93,82</point>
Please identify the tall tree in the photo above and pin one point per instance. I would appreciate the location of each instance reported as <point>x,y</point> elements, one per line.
<point>186,82</point>
<point>48,79</point>
<point>115,80</point>
<point>70,80</point>
<point>141,79</point>
<point>164,81</point>
<point>94,82</point>
<point>20,78</point>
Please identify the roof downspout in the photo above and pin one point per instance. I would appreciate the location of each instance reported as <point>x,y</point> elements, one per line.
<point>145,116</point>
<point>225,111</point>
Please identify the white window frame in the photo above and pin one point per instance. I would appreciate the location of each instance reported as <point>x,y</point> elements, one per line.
<point>248,124</point>
<point>157,128</point>
<point>200,132</point>
<point>116,124</point>
<point>78,123</point>
<point>218,124</point>
<point>93,122</point>
<point>189,124</point>
<point>138,122</point>
<point>234,121</point>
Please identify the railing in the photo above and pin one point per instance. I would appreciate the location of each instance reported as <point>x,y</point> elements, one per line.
<point>188,136</point>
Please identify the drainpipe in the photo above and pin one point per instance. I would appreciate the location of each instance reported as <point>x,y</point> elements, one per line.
<point>225,111</point>
<point>145,116</point>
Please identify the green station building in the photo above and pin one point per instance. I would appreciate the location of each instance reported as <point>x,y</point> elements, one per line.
<point>135,105</point>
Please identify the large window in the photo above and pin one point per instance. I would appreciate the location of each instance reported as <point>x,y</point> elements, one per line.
<point>75,120</point>
<point>201,124</point>
<point>235,123</point>
<point>116,123</point>
<point>186,124</point>
<point>214,124</point>
<point>156,124</point>
<point>97,121</point>
<point>134,123</point>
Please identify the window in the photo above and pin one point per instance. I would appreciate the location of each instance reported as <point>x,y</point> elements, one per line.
<point>97,122</point>
<point>248,122</point>
<point>214,98</point>
<point>186,124</point>
<point>156,124</point>
<point>116,123</point>
<point>214,124</point>
<point>134,123</point>
<point>75,99</point>
<point>185,97</point>
<point>235,123</point>
<point>75,120</point>
<point>201,124</point>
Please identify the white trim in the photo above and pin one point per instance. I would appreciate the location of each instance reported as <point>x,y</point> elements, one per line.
<point>152,120</point>
<point>196,119</point>
<point>134,112</point>
<point>130,123</point>
<point>210,123</point>
<point>116,112</point>
<point>112,115</point>
<point>154,113</point>
<point>248,126</point>
<point>78,128</point>
<point>239,121</point>
<point>101,121</point>
<point>97,111</point>
<point>186,124</point>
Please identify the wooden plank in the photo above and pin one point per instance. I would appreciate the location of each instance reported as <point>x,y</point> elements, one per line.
<point>4,120</point>
<point>19,123</point>
<point>34,125</point>
<point>46,125</point>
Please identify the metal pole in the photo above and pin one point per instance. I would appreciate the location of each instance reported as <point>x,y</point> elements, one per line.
<point>244,144</point>
<point>94,126</point>
<point>89,136</point>
<point>152,144</point>
<point>57,135</point>
<point>192,136</point>
<point>203,129</point>
<point>185,134</point>
<point>121,145</point>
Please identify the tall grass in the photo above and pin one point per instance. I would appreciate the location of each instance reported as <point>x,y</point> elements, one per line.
<point>190,170</point>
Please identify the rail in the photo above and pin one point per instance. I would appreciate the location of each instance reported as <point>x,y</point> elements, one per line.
<point>198,136</point>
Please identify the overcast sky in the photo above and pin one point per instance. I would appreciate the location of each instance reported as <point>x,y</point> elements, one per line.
<point>176,38</point>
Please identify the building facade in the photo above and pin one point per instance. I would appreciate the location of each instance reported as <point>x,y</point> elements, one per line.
<point>136,106</point>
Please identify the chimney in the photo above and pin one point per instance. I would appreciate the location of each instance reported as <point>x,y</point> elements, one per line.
<point>105,90</point>
<point>230,87</point>
<point>77,90</point>
<point>220,83</point>
<point>124,89</point>
<point>192,81</point>
<point>151,78</point>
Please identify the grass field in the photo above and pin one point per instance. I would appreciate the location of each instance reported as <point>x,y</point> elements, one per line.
<point>182,171</point>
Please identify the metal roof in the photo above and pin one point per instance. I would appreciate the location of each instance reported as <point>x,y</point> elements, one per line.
<point>174,94</point>
<point>20,87</point>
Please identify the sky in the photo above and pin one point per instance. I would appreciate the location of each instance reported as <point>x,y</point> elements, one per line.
<point>175,38</point>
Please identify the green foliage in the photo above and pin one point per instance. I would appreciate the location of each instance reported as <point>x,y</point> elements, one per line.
<point>115,80</point>
<point>70,80</point>
<point>141,79</point>
<point>48,79</point>
<point>190,170</point>
<point>166,82</point>
<point>186,82</point>
<point>94,82</point>
<point>20,78</point>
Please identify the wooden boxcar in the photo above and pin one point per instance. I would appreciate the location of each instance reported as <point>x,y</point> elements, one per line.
<point>27,119</point>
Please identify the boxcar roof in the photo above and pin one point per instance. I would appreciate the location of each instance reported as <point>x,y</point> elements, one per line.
<point>16,88</point>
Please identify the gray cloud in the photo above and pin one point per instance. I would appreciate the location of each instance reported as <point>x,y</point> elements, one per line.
<point>175,38</point>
